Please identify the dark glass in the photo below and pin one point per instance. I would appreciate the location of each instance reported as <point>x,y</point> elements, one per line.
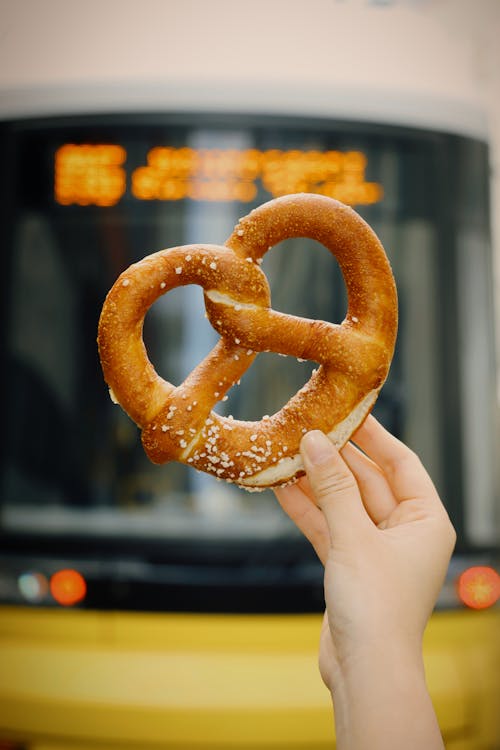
<point>75,480</point>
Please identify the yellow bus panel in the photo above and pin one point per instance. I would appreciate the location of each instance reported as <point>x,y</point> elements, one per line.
<point>86,680</point>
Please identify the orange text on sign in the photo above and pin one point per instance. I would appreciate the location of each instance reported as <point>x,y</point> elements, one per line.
<point>90,174</point>
<point>94,174</point>
<point>218,174</point>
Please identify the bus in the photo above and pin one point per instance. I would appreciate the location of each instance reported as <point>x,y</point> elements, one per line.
<point>153,607</point>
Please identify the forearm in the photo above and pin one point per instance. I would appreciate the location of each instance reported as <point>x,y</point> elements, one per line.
<point>381,702</point>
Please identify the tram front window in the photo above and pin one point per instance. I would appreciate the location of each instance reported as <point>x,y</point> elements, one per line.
<point>76,485</point>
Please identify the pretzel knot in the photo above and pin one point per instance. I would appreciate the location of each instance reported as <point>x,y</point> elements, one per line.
<point>178,422</point>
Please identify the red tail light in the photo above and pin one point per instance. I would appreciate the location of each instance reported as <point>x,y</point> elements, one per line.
<point>479,587</point>
<point>68,587</point>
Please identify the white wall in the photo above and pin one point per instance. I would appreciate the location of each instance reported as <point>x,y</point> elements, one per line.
<point>436,48</point>
<point>433,62</point>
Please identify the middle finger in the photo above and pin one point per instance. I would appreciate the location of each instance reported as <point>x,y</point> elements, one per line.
<point>375,491</point>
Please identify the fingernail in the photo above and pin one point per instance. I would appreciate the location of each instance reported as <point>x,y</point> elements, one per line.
<point>316,447</point>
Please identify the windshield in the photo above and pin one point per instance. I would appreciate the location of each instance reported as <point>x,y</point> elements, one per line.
<point>84,198</point>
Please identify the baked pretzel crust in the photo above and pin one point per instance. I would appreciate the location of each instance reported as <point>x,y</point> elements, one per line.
<point>354,357</point>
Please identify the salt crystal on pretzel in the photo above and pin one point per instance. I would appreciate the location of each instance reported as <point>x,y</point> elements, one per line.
<point>353,357</point>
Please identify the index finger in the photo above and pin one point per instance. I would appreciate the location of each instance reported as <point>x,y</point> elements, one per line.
<point>402,467</point>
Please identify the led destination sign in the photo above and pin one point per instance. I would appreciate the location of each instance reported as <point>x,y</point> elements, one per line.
<point>97,174</point>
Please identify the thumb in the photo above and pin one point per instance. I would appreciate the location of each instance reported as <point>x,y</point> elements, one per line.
<point>334,487</point>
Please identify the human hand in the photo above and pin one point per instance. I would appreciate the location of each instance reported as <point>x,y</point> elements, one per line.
<point>379,527</point>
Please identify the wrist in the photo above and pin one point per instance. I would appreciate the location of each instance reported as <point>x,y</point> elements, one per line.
<point>379,692</point>
<point>378,657</point>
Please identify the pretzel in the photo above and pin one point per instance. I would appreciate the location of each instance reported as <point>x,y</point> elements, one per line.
<point>178,423</point>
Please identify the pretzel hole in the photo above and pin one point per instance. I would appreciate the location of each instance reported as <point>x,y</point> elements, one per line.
<point>266,386</point>
<point>306,280</point>
<point>176,334</point>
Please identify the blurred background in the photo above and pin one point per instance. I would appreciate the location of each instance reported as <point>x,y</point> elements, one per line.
<point>153,607</point>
